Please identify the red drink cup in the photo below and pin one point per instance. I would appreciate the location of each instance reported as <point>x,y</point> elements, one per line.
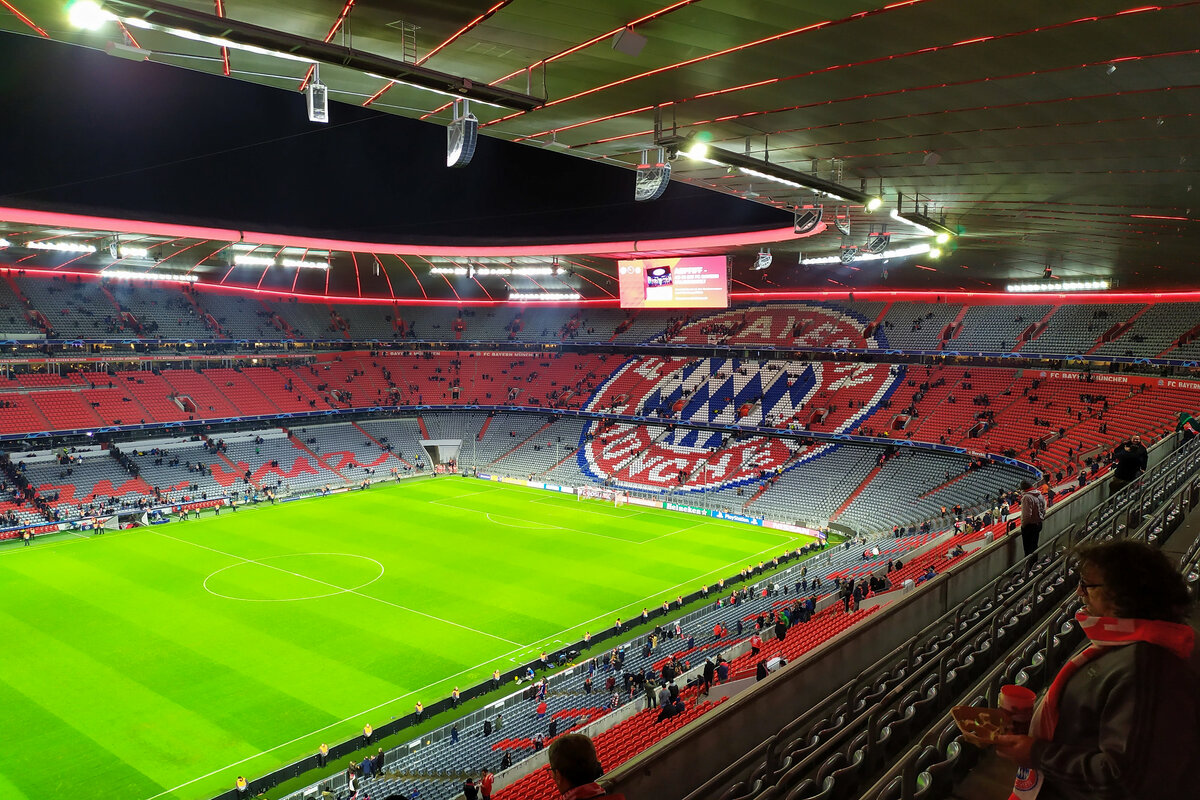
<point>1018,702</point>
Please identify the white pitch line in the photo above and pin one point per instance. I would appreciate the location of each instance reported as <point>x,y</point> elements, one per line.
<point>540,526</point>
<point>672,533</point>
<point>531,646</point>
<point>342,589</point>
<point>36,547</point>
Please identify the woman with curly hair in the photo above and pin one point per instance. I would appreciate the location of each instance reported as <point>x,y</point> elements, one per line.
<point>1122,717</point>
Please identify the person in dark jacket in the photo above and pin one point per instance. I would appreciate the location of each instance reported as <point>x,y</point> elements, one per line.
<point>1122,717</point>
<point>1129,462</point>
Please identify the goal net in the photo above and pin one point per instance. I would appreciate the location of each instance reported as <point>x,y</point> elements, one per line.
<point>597,493</point>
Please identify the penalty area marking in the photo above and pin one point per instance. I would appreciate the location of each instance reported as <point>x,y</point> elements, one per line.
<point>259,562</point>
<point>537,526</point>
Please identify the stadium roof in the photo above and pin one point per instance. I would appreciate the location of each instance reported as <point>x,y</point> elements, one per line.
<point>1046,134</point>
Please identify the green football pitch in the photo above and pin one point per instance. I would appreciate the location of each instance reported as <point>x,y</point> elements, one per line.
<point>163,662</point>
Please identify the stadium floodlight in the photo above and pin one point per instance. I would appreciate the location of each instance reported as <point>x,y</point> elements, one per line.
<point>1097,285</point>
<point>942,238</point>
<point>147,276</point>
<point>935,252</point>
<point>300,263</point>
<point>5,243</point>
<point>763,260</point>
<point>254,261</point>
<point>133,252</point>
<point>523,297</point>
<point>88,15</point>
<point>461,135</point>
<point>62,247</point>
<point>874,204</point>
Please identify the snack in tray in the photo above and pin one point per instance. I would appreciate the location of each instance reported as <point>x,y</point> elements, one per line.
<point>981,726</point>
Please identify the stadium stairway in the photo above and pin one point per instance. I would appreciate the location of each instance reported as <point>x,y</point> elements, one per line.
<point>300,445</point>
<point>1037,328</point>
<point>857,491</point>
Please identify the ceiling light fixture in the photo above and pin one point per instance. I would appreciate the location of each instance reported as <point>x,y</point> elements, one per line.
<point>300,263</point>
<point>914,250</point>
<point>147,276</point>
<point>1059,286</point>
<point>254,261</point>
<point>759,168</point>
<point>88,15</point>
<point>523,297</point>
<point>62,247</point>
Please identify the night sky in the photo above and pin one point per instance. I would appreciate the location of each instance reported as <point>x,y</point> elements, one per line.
<point>90,133</point>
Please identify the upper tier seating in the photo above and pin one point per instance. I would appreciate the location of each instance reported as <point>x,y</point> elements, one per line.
<point>995,329</point>
<point>12,313</point>
<point>79,309</point>
<point>1075,329</point>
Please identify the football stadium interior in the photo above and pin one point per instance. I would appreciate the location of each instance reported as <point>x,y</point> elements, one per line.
<point>390,388</point>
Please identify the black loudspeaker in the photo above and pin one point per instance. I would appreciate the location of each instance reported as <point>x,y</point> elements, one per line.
<point>807,218</point>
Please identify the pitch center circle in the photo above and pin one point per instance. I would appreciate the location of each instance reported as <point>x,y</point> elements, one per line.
<point>286,578</point>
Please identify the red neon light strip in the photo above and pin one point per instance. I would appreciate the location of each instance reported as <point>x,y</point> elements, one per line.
<point>337,24</point>
<point>480,285</point>
<point>1159,216</point>
<point>453,37</point>
<point>832,68</point>
<point>210,255</point>
<point>383,269</point>
<point>56,219</point>
<point>929,87</point>
<point>128,35</point>
<point>224,50</point>
<point>447,280</point>
<point>420,285</point>
<point>357,279</point>
<point>462,31</point>
<point>24,18</point>
<point>593,283</point>
<point>588,43</point>
<point>378,94</point>
<point>700,59</point>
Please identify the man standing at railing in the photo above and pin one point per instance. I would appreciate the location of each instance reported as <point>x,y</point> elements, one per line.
<point>1033,514</point>
<point>1129,462</point>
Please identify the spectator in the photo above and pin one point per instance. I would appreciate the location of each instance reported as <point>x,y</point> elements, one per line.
<point>1129,461</point>
<point>1033,514</point>
<point>575,768</point>
<point>1120,719</point>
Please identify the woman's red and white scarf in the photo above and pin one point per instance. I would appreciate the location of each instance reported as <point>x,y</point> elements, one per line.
<point>1102,633</point>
